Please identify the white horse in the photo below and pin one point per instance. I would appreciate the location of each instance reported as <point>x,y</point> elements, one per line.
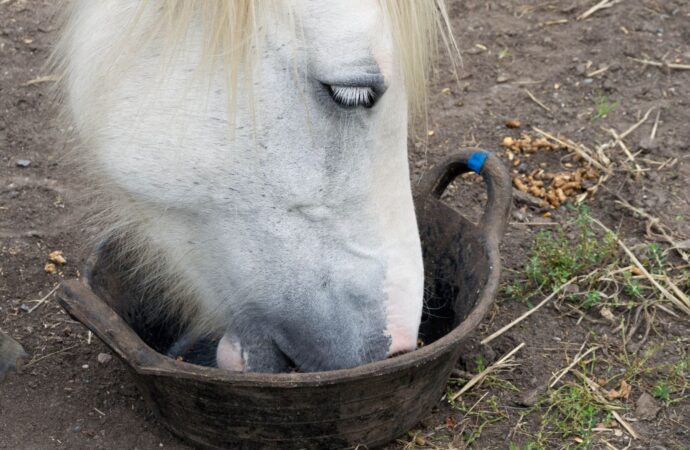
<point>252,154</point>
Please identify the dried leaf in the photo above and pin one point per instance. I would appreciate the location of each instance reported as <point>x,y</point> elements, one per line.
<point>607,314</point>
<point>623,392</point>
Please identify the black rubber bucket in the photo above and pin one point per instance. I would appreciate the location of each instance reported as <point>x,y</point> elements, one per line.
<point>368,405</point>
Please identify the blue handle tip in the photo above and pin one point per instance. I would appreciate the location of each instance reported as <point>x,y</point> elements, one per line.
<point>477,160</point>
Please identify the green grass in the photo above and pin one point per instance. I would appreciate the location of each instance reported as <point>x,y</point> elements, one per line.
<point>632,287</point>
<point>528,446</point>
<point>480,415</point>
<point>555,258</point>
<point>576,412</point>
<point>604,107</point>
<point>662,391</point>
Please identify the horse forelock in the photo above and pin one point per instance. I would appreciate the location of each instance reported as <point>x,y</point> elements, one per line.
<point>232,32</point>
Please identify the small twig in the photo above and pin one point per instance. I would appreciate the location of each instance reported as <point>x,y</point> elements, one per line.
<point>633,328</point>
<point>661,64</point>
<point>637,124</point>
<point>634,347</point>
<point>536,100</point>
<point>596,390</point>
<point>652,136</point>
<point>476,403</point>
<point>656,223</point>
<point>611,446</point>
<point>535,224</point>
<point>597,72</point>
<point>41,301</point>
<point>676,289</point>
<point>483,374</point>
<point>578,149</point>
<point>571,365</point>
<point>621,144</point>
<point>555,22</point>
<point>679,302</point>
<point>528,313</point>
<point>603,4</point>
<point>668,163</point>
<point>34,361</point>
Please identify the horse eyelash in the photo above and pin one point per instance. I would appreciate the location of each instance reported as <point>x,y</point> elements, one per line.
<point>352,96</point>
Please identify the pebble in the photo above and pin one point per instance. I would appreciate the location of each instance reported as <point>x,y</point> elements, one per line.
<point>25,308</point>
<point>531,397</point>
<point>502,78</point>
<point>647,407</point>
<point>572,289</point>
<point>648,144</point>
<point>23,162</point>
<point>104,358</point>
<point>519,215</point>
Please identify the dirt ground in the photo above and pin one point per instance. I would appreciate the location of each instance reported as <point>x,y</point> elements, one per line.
<point>527,61</point>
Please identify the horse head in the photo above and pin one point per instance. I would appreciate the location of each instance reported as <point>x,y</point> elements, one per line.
<point>264,170</point>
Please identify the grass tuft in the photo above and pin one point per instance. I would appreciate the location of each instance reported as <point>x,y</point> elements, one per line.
<point>604,107</point>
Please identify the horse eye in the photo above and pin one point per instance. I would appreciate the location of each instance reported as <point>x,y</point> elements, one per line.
<point>353,96</point>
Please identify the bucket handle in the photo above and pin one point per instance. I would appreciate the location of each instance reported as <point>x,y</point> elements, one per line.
<point>498,183</point>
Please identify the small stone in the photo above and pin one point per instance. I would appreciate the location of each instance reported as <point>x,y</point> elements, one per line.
<point>647,407</point>
<point>519,215</point>
<point>648,144</point>
<point>85,366</point>
<point>581,69</point>
<point>522,168</point>
<point>531,397</point>
<point>23,163</point>
<point>25,308</point>
<point>572,289</point>
<point>104,358</point>
<point>502,78</point>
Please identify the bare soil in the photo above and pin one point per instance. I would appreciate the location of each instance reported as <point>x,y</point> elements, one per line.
<point>65,398</point>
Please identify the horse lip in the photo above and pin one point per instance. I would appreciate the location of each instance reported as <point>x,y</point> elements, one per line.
<point>400,353</point>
